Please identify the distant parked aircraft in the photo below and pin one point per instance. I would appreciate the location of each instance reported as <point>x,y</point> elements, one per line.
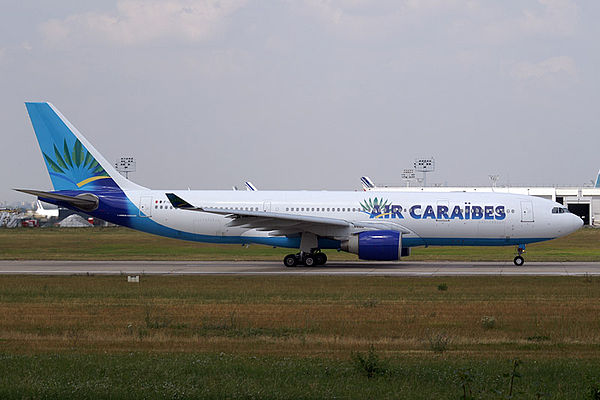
<point>42,212</point>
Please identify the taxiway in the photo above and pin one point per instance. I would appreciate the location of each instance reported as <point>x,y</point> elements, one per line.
<point>276,268</point>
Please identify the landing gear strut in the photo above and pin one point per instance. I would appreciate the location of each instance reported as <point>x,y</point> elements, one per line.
<point>519,260</point>
<point>314,258</point>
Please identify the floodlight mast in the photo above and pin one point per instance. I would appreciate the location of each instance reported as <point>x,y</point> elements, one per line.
<point>494,179</point>
<point>125,165</point>
<point>409,175</point>
<point>424,165</point>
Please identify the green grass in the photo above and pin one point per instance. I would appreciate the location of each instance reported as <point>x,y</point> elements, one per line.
<point>126,244</point>
<point>218,376</point>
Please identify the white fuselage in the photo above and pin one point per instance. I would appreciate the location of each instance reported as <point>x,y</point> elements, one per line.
<point>427,218</point>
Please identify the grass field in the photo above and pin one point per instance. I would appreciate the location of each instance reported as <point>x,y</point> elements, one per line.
<point>126,244</point>
<point>226,376</point>
<point>285,337</point>
<point>298,337</point>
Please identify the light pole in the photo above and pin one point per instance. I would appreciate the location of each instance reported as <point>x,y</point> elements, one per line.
<point>408,175</point>
<point>494,179</point>
<point>425,165</point>
<point>125,165</point>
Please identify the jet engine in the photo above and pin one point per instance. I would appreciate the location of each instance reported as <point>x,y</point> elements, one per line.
<point>376,245</point>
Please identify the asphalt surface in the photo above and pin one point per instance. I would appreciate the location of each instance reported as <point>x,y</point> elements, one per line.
<point>405,268</point>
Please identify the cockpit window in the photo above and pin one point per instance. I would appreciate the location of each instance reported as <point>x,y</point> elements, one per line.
<point>560,210</point>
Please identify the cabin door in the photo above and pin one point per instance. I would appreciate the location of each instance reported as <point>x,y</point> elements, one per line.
<point>526,211</point>
<point>146,206</point>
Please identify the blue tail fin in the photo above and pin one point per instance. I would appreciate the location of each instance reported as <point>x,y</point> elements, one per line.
<point>597,180</point>
<point>72,162</point>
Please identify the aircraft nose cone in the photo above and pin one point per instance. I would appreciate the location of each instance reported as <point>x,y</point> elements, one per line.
<point>577,222</point>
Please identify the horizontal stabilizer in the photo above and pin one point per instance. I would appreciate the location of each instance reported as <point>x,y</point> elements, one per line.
<point>84,201</point>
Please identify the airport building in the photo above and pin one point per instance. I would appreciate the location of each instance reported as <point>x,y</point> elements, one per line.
<point>583,200</point>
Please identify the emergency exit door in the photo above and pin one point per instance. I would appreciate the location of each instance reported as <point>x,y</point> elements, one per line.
<point>267,206</point>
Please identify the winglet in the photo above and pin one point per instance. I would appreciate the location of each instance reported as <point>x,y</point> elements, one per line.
<point>178,202</point>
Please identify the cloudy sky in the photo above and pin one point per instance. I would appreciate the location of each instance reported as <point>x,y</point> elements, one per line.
<point>307,94</point>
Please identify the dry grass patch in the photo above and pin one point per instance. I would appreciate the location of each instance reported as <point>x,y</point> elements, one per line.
<point>298,315</point>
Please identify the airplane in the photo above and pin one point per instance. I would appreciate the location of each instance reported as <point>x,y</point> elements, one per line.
<point>44,213</point>
<point>379,226</point>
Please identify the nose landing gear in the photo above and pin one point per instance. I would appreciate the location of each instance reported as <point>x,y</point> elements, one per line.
<point>519,260</point>
<point>311,259</point>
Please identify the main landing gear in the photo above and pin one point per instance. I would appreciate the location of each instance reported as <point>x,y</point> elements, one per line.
<point>519,260</point>
<point>311,259</point>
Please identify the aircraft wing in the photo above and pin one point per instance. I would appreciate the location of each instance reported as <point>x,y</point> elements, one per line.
<point>281,224</point>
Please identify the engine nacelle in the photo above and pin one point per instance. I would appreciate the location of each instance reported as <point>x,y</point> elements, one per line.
<point>376,245</point>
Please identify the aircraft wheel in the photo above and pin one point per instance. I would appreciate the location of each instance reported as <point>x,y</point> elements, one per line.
<point>309,261</point>
<point>320,258</point>
<point>290,261</point>
<point>519,261</point>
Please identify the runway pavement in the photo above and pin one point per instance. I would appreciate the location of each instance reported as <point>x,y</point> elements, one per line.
<point>405,268</point>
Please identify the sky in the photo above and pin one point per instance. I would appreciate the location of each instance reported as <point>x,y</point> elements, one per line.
<point>307,94</point>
